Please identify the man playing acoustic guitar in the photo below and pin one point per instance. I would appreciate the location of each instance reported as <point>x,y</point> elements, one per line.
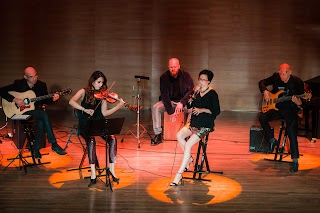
<point>21,86</point>
<point>287,110</point>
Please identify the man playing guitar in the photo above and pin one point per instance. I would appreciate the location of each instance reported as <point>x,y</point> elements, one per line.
<point>287,110</point>
<point>39,88</point>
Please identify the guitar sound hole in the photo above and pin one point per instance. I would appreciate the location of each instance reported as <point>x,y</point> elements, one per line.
<point>26,101</point>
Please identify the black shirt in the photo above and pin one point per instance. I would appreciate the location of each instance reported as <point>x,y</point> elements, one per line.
<point>209,101</point>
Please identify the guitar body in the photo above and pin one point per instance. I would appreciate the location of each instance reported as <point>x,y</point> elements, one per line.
<point>271,104</point>
<point>274,99</point>
<point>10,108</point>
<point>29,98</point>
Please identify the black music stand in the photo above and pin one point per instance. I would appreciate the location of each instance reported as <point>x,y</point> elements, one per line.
<point>103,127</point>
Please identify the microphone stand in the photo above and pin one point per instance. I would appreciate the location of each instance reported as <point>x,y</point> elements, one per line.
<point>138,124</point>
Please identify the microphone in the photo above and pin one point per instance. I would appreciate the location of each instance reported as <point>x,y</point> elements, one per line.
<point>196,92</point>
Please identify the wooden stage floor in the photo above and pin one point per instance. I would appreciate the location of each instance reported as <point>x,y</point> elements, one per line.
<point>248,183</point>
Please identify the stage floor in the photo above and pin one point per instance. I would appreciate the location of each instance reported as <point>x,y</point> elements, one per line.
<point>248,183</point>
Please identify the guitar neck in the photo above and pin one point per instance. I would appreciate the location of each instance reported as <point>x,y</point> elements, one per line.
<point>40,98</point>
<point>286,98</point>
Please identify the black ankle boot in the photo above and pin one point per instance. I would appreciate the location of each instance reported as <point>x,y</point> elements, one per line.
<point>294,167</point>
<point>92,181</point>
<point>114,179</point>
<point>273,143</point>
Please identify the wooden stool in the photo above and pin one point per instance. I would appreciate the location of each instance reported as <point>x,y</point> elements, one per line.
<point>171,129</point>
<point>201,161</point>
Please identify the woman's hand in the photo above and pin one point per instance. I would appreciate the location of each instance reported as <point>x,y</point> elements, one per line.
<point>121,102</point>
<point>196,111</point>
<point>89,111</point>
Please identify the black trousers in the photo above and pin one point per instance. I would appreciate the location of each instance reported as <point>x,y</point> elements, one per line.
<point>91,146</point>
<point>42,123</point>
<point>291,118</point>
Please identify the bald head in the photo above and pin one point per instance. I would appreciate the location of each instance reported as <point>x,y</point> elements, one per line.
<point>285,66</point>
<point>174,66</point>
<point>31,75</point>
<point>29,71</point>
<point>285,72</point>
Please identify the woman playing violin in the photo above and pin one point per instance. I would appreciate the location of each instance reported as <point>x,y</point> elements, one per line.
<point>94,107</point>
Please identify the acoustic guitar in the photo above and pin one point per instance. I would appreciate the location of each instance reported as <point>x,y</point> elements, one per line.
<point>274,99</point>
<point>29,98</point>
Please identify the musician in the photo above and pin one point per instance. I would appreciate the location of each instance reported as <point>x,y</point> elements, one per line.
<point>31,82</point>
<point>92,108</point>
<point>288,110</point>
<point>205,108</point>
<point>175,87</point>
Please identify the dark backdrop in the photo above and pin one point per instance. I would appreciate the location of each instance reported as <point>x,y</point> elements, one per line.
<point>242,41</point>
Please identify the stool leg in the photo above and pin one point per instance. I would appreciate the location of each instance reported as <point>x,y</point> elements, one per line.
<point>198,168</point>
<point>197,160</point>
<point>203,157</point>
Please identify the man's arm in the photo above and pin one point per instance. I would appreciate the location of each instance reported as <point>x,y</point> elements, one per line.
<point>266,82</point>
<point>190,85</point>
<point>263,86</point>
<point>4,92</point>
<point>164,91</point>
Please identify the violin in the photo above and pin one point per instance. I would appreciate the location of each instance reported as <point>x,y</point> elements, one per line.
<point>112,97</point>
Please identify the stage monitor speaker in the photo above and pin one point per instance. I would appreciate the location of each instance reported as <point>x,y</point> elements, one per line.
<point>19,136</point>
<point>258,141</point>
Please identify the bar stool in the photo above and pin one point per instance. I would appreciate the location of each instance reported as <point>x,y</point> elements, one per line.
<point>27,125</point>
<point>202,159</point>
<point>280,149</point>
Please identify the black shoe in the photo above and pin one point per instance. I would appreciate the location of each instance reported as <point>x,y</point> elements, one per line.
<point>273,144</point>
<point>114,178</point>
<point>189,162</point>
<point>157,139</point>
<point>294,167</point>
<point>178,179</point>
<point>57,149</point>
<point>92,181</point>
<point>37,154</point>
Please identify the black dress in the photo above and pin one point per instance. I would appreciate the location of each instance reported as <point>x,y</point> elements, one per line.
<point>84,127</point>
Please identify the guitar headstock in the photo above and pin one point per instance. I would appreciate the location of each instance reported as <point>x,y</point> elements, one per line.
<point>65,91</point>
<point>307,95</point>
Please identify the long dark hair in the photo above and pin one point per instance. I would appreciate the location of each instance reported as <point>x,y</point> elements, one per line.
<point>89,88</point>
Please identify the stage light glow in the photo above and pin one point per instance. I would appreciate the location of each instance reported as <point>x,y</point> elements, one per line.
<point>220,189</point>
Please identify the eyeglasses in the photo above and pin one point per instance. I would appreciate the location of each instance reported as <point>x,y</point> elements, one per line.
<point>203,80</point>
<point>34,76</point>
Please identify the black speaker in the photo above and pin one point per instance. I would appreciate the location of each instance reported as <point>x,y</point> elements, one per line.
<point>258,140</point>
<point>19,136</point>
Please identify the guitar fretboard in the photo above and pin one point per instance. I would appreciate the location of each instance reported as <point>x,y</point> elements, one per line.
<point>41,98</point>
<point>286,98</point>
